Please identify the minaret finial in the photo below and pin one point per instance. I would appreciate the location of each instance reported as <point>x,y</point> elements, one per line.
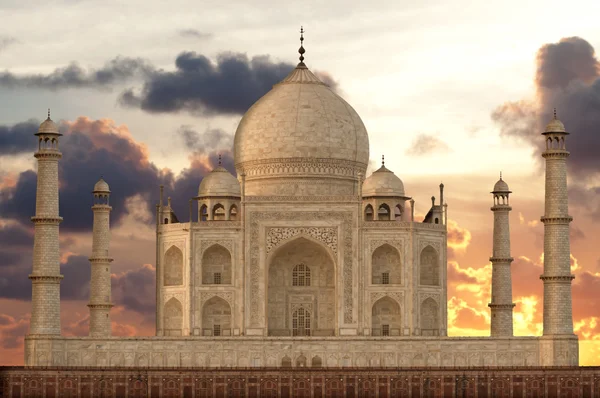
<point>48,113</point>
<point>219,159</point>
<point>301,50</point>
<point>500,175</point>
<point>382,160</point>
<point>554,113</point>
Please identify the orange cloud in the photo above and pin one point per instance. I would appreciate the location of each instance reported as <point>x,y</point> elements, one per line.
<point>458,237</point>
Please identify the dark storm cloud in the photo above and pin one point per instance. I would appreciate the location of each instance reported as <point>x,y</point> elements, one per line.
<point>117,70</point>
<point>136,290</point>
<point>90,150</point>
<point>199,86</point>
<point>425,144</point>
<point>208,141</point>
<point>568,79</point>
<point>194,34</point>
<point>17,138</point>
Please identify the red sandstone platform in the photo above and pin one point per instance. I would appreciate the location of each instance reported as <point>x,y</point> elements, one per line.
<point>300,382</point>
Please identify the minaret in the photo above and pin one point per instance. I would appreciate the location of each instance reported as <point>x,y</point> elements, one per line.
<point>558,318</point>
<point>45,276</point>
<point>100,303</point>
<point>501,305</point>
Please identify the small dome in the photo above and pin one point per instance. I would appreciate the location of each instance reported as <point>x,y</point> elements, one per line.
<point>555,125</point>
<point>101,186</point>
<point>48,126</point>
<point>383,182</point>
<point>219,182</point>
<point>501,186</point>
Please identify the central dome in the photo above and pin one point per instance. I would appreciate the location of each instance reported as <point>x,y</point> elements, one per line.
<point>298,133</point>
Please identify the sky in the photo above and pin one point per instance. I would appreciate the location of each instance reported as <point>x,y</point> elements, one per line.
<point>150,92</point>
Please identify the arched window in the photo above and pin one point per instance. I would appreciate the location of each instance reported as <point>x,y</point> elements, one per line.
<point>216,266</point>
<point>429,267</point>
<point>233,212</point>
<point>218,212</point>
<point>369,213</point>
<point>429,318</point>
<point>203,213</point>
<point>385,318</point>
<point>216,317</point>
<point>437,220</point>
<point>386,266</point>
<point>173,318</point>
<point>301,322</point>
<point>173,275</point>
<point>383,213</point>
<point>398,213</point>
<point>301,361</point>
<point>301,275</point>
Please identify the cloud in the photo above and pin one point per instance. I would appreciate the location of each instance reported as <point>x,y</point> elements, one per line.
<point>18,138</point>
<point>94,148</point>
<point>117,70</point>
<point>135,290</point>
<point>425,144</point>
<point>12,331</point>
<point>195,34</point>
<point>199,86</point>
<point>207,141</point>
<point>6,41</point>
<point>567,78</point>
<point>458,237</point>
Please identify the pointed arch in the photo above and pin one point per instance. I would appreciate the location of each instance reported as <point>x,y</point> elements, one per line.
<point>216,266</point>
<point>218,212</point>
<point>173,317</point>
<point>286,362</point>
<point>216,317</point>
<point>301,274</point>
<point>203,212</point>
<point>398,211</point>
<point>316,362</point>
<point>386,317</point>
<point>233,213</point>
<point>429,315</point>
<point>429,264</point>
<point>386,267</point>
<point>383,212</point>
<point>173,273</point>
<point>369,213</point>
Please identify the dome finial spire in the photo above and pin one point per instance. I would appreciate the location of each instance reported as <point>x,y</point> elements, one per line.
<point>48,113</point>
<point>219,159</point>
<point>554,113</point>
<point>500,175</point>
<point>301,50</point>
<point>382,160</point>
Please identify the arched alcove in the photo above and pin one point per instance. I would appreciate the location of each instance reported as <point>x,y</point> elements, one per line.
<point>316,362</point>
<point>383,213</point>
<point>429,274</point>
<point>286,362</point>
<point>173,270</point>
<point>398,213</point>
<point>429,317</point>
<point>218,212</point>
<point>203,213</point>
<point>233,213</point>
<point>385,266</point>
<point>301,288</point>
<point>216,317</point>
<point>385,317</point>
<point>369,213</point>
<point>173,318</point>
<point>216,266</point>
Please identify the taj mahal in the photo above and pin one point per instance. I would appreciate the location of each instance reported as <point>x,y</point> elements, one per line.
<point>302,259</point>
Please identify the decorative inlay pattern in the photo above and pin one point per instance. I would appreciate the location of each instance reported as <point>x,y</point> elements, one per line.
<point>380,242</point>
<point>398,296</point>
<point>327,235</point>
<point>313,199</point>
<point>205,244</point>
<point>227,296</point>
<point>257,296</point>
<point>300,166</point>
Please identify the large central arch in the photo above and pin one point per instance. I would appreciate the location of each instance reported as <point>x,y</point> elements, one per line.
<point>301,290</point>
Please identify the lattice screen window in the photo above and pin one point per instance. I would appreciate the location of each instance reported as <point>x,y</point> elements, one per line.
<point>216,330</point>
<point>217,278</point>
<point>301,275</point>
<point>301,322</point>
<point>385,278</point>
<point>385,330</point>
